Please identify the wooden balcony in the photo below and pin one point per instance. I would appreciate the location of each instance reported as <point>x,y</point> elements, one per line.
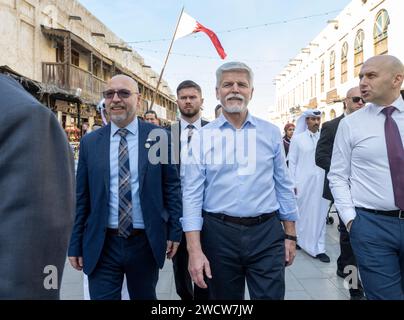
<point>69,77</point>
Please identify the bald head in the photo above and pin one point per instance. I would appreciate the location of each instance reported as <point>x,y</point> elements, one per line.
<point>353,100</point>
<point>381,78</point>
<point>387,62</point>
<point>121,99</point>
<point>124,79</point>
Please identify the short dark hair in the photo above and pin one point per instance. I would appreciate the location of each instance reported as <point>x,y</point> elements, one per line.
<point>151,112</point>
<point>189,84</point>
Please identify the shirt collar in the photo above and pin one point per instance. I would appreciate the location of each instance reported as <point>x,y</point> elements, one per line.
<point>222,121</point>
<point>311,134</point>
<point>197,124</point>
<point>131,127</point>
<point>399,104</point>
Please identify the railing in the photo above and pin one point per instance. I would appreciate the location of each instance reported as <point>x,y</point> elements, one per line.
<point>70,78</point>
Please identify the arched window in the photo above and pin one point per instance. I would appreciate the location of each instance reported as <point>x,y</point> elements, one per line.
<point>322,76</point>
<point>332,69</point>
<point>344,62</point>
<point>358,51</point>
<point>380,35</point>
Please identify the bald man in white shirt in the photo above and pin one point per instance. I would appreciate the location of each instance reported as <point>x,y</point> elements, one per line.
<point>367,182</point>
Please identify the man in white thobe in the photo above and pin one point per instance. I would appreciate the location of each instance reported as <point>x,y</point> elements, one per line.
<point>308,181</point>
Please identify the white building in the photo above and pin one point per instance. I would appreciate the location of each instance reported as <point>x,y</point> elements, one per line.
<point>320,75</point>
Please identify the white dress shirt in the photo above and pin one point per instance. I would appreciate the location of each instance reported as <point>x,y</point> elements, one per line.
<point>184,141</point>
<point>184,130</point>
<point>360,172</point>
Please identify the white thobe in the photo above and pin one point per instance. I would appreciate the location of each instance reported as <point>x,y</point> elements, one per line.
<point>309,181</point>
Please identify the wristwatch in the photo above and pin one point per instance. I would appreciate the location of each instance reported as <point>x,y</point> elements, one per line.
<point>290,237</point>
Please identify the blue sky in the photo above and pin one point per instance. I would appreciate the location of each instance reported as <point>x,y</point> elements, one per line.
<point>266,49</point>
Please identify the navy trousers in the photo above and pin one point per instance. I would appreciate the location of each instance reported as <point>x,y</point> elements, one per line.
<point>239,253</point>
<point>132,256</point>
<point>378,244</point>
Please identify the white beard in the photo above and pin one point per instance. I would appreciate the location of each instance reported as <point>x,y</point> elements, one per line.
<point>235,108</point>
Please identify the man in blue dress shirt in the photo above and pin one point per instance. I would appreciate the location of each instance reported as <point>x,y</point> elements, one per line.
<point>238,202</point>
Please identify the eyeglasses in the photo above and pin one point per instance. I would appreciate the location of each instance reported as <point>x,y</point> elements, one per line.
<point>357,99</point>
<point>122,93</point>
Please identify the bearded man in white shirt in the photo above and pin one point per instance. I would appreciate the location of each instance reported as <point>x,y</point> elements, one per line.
<point>308,181</point>
<point>367,178</point>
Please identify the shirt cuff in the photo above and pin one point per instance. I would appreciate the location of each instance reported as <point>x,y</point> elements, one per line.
<point>287,216</point>
<point>191,224</point>
<point>347,215</point>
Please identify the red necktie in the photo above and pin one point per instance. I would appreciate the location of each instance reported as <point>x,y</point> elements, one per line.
<point>395,153</point>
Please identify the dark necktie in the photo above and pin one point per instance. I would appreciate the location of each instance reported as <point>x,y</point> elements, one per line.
<point>125,193</point>
<point>395,153</point>
<point>190,128</point>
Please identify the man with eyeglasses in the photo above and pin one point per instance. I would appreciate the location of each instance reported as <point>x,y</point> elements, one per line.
<point>352,103</point>
<point>367,178</point>
<point>128,209</point>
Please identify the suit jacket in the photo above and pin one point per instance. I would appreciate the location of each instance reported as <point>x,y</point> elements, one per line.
<point>159,192</point>
<point>324,151</point>
<point>37,195</point>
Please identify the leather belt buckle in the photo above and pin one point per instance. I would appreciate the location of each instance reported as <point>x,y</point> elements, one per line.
<point>401,214</point>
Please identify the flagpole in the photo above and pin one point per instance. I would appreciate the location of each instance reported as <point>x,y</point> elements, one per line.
<point>165,61</point>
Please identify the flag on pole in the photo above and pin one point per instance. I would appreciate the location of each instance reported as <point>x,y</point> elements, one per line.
<point>188,25</point>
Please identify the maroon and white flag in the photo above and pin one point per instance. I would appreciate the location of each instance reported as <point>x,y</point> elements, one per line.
<point>188,25</point>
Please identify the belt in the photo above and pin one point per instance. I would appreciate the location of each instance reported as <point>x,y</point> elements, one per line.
<point>393,213</point>
<point>245,221</point>
<point>115,232</point>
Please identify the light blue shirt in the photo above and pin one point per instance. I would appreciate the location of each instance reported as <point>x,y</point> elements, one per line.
<point>133,145</point>
<point>239,172</point>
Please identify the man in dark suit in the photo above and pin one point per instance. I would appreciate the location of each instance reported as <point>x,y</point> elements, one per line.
<point>128,204</point>
<point>37,196</point>
<point>352,103</point>
<point>190,101</point>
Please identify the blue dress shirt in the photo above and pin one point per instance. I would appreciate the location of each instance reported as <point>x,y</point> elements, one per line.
<point>239,172</point>
<point>133,145</point>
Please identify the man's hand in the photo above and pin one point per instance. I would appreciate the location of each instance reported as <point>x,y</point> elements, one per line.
<point>76,262</point>
<point>290,245</point>
<point>198,266</point>
<point>171,249</point>
<point>290,252</point>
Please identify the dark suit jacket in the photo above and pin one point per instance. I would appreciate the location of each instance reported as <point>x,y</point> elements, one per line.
<point>324,151</point>
<point>159,191</point>
<point>36,195</point>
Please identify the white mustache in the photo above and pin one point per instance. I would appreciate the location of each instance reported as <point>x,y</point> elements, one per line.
<point>238,96</point>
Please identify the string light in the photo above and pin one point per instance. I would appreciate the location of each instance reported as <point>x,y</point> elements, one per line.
<point>248,27</point>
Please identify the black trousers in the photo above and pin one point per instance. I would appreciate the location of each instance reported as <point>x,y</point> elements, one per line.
<point>239,253</point>
<point>346,257</point>
<point>183,282</point>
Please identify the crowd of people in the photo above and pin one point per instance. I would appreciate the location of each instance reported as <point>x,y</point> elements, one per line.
<point>228,201</point>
